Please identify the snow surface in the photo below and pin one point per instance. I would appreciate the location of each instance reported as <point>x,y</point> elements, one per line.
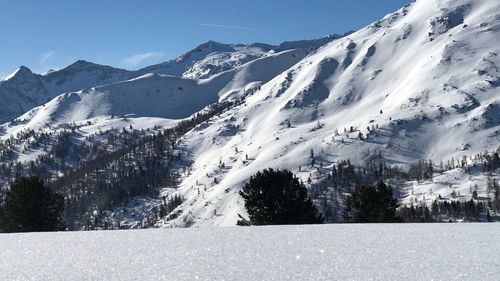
<point>326,252</point>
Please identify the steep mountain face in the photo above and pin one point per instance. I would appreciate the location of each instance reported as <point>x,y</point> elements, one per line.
<point>19,92</point>
<point>422,83</point>
<point>83,74</point>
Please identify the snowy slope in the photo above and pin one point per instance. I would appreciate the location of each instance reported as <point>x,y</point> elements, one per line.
<point>422,83</point>
<point>24,90</point>
<point>328,252</point>
<point>212,58</point>
<point>154,95</point>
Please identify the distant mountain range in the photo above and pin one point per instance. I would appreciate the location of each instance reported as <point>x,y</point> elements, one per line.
<point>24,90</point>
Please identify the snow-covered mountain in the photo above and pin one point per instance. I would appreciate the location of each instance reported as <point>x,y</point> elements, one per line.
<point>212,58</point>
<point>422,83</point>
<point>24,90</point>
<point>155,95</point>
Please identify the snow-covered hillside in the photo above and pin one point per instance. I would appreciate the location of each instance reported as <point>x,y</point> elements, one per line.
<point>422,83</point>
<point>329,252</point>
<point>154,95</point>
<point>85,108</point>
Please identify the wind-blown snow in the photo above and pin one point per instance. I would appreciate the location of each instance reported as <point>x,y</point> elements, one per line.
<point>329,252</point>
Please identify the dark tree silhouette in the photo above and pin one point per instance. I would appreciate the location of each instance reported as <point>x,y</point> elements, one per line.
<point>31,206</point>
<point>372,204</point>
<point>274,197</point>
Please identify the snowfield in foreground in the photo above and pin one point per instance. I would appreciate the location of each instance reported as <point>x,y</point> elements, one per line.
<point>326,252</point>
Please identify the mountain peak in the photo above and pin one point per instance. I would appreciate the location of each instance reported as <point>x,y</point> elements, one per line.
<point>22,71</point>
<point>23,68</point>
<point>81,64</point>
<point>213,44</point>
<point>209,46</point>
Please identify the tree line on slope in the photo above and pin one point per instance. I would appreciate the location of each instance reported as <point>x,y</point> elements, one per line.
<point>333,187</point>
<point>100,176</point>
<point>277,197</point>
<point>96,176</point>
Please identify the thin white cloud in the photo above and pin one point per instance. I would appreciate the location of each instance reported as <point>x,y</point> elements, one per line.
<point>138,59</point>
<point>46,56</point>
<point>234,27</point>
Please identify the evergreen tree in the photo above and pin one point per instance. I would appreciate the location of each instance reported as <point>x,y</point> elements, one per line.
<point>31,206</point>
<point>374,204</point>
<point>274,197</point>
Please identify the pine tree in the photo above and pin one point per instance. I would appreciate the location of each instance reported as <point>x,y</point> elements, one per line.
<point>31,206</point>
<point>274,197</point>
<point>374,204</point>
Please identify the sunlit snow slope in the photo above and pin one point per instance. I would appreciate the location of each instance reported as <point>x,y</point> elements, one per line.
<point>155,95</point>
<point>212,58</point>
<point>24,90</point>
<point>422,83</point>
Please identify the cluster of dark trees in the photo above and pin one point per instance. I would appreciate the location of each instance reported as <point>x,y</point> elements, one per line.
<point>169,204</point>
<point>371,204</point>
<point>331,190</point>
<point>442,210</point>
<point>107,169</point>
<point>30,206</point>
<point>278,197</point>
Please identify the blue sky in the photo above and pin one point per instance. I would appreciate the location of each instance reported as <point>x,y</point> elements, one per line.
<point>51,34</point>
